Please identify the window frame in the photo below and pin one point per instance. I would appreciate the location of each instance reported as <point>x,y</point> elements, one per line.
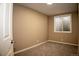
<point>62,24</point>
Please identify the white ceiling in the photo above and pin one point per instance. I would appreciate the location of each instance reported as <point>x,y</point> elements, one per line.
<point>56,8</point>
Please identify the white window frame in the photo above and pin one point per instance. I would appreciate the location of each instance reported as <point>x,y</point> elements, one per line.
<point>62,24</point>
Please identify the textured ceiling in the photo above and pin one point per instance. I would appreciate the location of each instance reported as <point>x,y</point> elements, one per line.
<point>56,8</point>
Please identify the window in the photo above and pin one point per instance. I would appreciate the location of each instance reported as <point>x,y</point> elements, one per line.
<point>62,23</point>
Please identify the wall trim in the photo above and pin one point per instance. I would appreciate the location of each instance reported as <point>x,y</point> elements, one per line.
<point>63,43</point>
<point>10,53</point>
<point>25,49</point>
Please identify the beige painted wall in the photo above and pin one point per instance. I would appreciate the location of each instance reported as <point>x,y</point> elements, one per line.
<point>64,37</point>
<point>29,27</point>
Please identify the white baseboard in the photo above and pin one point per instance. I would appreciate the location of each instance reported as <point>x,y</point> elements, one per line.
<point>29,47</point>
<point>63,43</point>
<point>10,53</point>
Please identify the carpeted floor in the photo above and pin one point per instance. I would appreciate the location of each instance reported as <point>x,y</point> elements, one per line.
<point>51,49</point>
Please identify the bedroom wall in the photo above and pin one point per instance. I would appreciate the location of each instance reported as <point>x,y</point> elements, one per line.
<point>64,37</point>
<point>29,27</point>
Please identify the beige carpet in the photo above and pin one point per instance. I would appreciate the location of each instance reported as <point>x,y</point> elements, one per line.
<point>51,49</point>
